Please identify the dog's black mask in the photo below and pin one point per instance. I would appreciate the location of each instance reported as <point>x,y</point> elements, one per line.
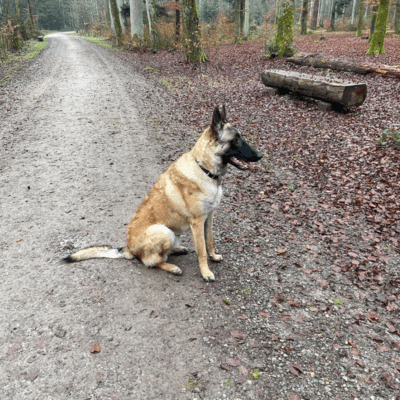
<point>241,150</point>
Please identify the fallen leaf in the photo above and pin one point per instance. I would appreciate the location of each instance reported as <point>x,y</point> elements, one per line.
<point>154,314</point>
<point>239,335</point>
<point>233,362</point>
<point>95,347</point>
<point>264,314</point>
<point>373,316</point>
<point>295,369</point>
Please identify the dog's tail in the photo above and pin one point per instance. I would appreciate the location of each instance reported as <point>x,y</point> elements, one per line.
<point>99,252</point>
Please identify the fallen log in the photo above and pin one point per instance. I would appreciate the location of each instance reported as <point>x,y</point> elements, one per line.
<point>330,90</point>
<point>323,61</point>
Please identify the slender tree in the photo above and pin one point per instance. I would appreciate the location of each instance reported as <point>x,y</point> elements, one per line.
<point>376,45</point>
<point>397,18</point>
<point>136,16</point>
<point>333,15</point>
<point>178,21</point>
<point>360,18</point>
<point>115,21</point>
<point>193,48</point>
<point>375,8</point>
<point>314,18</point>
<point>304,14</point>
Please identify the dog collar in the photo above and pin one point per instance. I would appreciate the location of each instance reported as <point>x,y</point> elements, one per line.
<point>207,172</point>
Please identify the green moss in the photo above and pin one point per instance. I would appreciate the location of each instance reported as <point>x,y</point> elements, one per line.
<point>378,38</point>
<point>282,44</point>
<point>192,41</point>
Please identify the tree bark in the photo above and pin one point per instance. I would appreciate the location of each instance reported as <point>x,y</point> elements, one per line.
<point>353,12</point>
<point>360,18</point>
<point>283,40</point>
<point>345,94</point>
<point>378,38</point>
<point>194,50</point>
<point>314,19</point>
<point>304,14</point>
<point>178,23</point>
<point>246,18</point>
<point>136,16</point>
<point>333,15</point>
<point>397,18</point>
<point>116,22</point>
<point>323,61</point>
<point>373,20</point>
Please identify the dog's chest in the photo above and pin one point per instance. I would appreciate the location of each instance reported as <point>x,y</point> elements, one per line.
<point>213,197</point>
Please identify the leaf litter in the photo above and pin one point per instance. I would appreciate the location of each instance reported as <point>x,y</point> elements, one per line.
<point>311,233</point>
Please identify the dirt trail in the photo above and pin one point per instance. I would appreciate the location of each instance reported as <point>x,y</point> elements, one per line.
<point>75,162</point>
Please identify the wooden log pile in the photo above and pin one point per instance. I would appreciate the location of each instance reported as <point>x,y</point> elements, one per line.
<point>345,94</point>
<point>319,60</point>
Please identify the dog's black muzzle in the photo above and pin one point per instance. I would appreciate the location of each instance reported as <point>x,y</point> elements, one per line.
<point>241,150</point>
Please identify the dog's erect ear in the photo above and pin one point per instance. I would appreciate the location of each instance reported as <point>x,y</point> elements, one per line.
<point>216,123</point>
<point>223,114</point>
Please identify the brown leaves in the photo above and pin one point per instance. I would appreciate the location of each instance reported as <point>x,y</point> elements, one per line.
<point>95,347</point>
<point>239,335</point>
<point>295,369</point>
<point>373,316</point>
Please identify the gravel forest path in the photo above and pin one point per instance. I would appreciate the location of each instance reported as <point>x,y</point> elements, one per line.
<point>76,160</point>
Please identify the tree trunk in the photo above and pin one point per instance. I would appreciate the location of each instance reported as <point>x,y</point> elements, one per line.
<point>31,17</point>
<point>378,38</point>
<point>373,20</point>
<point>353,12</point>
<point>115,21</point>
<point>345,94</point>
<point>397,18</point>
<point>237,18</point>
<point>322,6</point>
<point>333,15</point>
<point>360,18</point>
<point>283,41</point>
<point>136,16</point>
<point>193,48</point>
<point>304,14</point>
<point>178,23</point>
<point>246,18</point>
<point>318,60</point>
<point>20,20</point>
<point>314,19</point>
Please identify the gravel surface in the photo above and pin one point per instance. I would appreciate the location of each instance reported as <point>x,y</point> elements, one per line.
<point>83,133</point>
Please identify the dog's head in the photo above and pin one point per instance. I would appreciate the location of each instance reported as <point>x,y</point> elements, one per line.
<point>231,143</point>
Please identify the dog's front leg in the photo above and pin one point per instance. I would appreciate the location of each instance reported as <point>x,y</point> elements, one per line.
<point>197,228</point>
<point>210,238</point>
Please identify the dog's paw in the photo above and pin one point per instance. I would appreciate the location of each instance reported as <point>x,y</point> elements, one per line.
<point>180,250</point>
<point>176,270</point>
<point>208,276</point>
<point>216,257</point>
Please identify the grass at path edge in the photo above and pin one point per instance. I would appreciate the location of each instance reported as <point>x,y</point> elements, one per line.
<point>17,61</point>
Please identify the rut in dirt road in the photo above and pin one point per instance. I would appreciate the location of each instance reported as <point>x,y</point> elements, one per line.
<point>75,163</point>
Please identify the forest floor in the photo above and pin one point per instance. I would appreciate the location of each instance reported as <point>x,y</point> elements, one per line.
<point>306,302</point>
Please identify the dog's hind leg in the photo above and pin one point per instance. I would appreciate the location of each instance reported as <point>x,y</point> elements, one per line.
<point>157,244</point>
<point>210,238</point>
